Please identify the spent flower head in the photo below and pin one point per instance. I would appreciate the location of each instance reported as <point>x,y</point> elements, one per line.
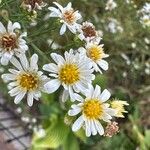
<point>11,42</point>
<point>119,106</point>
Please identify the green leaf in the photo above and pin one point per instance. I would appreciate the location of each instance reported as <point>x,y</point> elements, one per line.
<point>71,143</point>
<point>147,138</point>
<point>81,135</point>
<point>100,80</point>
<point>55,136</point>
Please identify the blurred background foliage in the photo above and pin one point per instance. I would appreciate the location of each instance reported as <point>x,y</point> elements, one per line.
<point>128,78</point>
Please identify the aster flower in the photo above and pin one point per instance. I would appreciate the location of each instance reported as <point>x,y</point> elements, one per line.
<point>95,52</point>
<point>25,79</point>
<point>110,5</point>
<point>32,5</point>
<point>92,109</point>
<point>73,72</point>
<point>119,106</point>
<point>88,32</point>
<point>68,16</point>
<point>11,42</point>
<point>145,15</point>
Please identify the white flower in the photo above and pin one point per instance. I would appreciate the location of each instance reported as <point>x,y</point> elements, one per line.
<point>96,54</point>
<point>145,15</point>
<point>92,109</point>
<point>11,42</point>
<point>25,79</point>
<point>68,16</point>
<point>32,5</point>
<point>74,73</point>
<point>114,26</point>
<point>110,5</point>
<point>87,32</point>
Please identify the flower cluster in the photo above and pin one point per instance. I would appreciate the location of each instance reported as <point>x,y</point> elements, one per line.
<point>74,71</point>
<point>145,15</point>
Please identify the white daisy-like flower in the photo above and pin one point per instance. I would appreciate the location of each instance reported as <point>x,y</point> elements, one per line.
<point>73,72</point>
<point>88,32</point>
<point>95,52</point>
<point>11,42</point>
<point>92,109</point>
<point>25,79</point>
<point>68,16</point>
<point>32,5</point>
<point>110,5</point>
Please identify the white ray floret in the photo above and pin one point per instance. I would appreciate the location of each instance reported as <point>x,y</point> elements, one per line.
<point>73,72</point>
<point>25,79</point>
<point>92,110</point>
<point>68,16</point>
<point>95,52</point>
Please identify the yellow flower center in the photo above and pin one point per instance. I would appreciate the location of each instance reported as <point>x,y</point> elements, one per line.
<point>95,52</point>
<point>93,109</point>
<point>28,81</point>
<point>9,42</point>
<point>69,73</point>
<point>69,16</point>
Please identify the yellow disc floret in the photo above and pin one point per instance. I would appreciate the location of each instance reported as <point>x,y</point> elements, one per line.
<point>95,52</point>
<point>69,74</point>
<point>28,81</point>
<point>93,109</point>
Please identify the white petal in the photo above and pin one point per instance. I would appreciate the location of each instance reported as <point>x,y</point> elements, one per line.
<point>59,6</point>
<point>30,99</point>
<point>16,63</point>
<point>2,28</point>
<point>74,112</point>
<point>8,77</point>
<point>93,127</point>
<point>24,61</point>
<point>87,128</point>
<point>33,62</point>
<point>63,29</point>
<point>58,58</point>
<point>65,95</point>
<point>99,127</point>
<point>51,68</point>
<point>10,27</point>
<point>52,85</point>
<point>13,71</point>
<point>19,97</point>
<point>105,95</point>
<point>14,91</point>
<point>110,111</point>
<point>16,25</point>
<point>69,5</point>
<point>103,64</point>
<point>96,92</point>
<point>4,61</point>
<point>77,124</point>
<point>106,117</point>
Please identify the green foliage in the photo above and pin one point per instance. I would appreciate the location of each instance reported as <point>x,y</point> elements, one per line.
<point>56,135</point>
